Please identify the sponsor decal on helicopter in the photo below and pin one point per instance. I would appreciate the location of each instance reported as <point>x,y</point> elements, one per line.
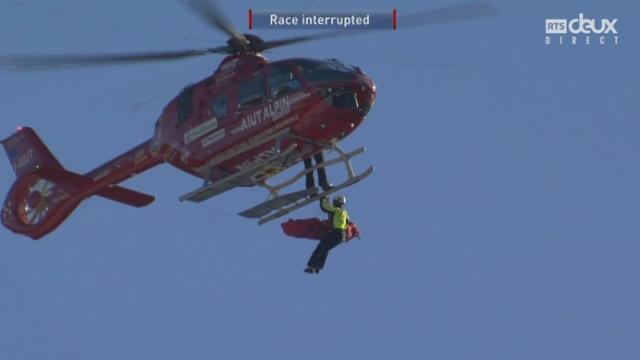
<point>581,30</point>
<point>272,111</point>
<point>23,160</point>
<point>200,130</point>
<point>214,137</point>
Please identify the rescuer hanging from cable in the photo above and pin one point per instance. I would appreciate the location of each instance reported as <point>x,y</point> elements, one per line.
<point>339,220</point>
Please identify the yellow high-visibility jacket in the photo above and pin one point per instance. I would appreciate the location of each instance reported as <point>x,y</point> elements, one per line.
<point>339,216</point>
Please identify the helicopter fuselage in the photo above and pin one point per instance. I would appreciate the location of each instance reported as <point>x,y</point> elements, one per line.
<point>247,111</point>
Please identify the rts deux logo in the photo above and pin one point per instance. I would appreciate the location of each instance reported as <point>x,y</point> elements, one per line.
<point>581,30</point>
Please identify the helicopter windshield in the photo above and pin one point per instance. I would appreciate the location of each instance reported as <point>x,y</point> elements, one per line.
<point>322,72</point>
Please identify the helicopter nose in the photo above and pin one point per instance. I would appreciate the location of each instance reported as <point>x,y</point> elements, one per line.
<point>367,94</point>
<point>358,94</point>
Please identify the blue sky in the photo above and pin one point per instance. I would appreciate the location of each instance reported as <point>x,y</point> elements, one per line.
<point>501,222</point>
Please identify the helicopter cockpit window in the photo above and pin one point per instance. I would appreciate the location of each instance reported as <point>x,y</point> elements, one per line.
<point>185,104</point>
<point>220,106</point>
<point>251,92</point>
<point>320,72</point>
<point>281,80</point>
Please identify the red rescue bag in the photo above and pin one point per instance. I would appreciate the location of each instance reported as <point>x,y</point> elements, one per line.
<point>315,229</point>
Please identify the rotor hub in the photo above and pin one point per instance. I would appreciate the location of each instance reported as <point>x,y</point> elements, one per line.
<point>250,44</point>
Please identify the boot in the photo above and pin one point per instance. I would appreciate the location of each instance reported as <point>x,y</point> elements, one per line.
<point>322,174</point>
<point>322,179</point>
<point>311,270</point>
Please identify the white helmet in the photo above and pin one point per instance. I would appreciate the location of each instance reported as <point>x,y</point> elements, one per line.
<point>339,200</point>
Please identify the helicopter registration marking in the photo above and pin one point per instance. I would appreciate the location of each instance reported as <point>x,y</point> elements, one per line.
<point>271,111</point>
<point>23,160</point>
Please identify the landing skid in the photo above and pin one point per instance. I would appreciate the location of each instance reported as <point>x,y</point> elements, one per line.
<point>279,205</point>
<point>284,204</point>
<point>211,189</point>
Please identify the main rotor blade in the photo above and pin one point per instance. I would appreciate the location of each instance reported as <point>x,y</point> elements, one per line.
<point>210,12</point>
<point>435,16</point>
<point>49,61</point>
<point>448,14</point>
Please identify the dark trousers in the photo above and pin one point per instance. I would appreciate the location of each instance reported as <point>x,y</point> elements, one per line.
<point>322,175</point>
<point>319,256</point>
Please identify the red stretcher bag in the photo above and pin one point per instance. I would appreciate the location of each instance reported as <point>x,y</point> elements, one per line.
<point>315,229</point>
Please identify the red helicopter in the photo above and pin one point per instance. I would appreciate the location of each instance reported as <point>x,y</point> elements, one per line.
<point>248,121</point>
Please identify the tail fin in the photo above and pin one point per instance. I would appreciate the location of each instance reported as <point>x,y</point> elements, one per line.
<point>27,152</point>
<point>33,201</point>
